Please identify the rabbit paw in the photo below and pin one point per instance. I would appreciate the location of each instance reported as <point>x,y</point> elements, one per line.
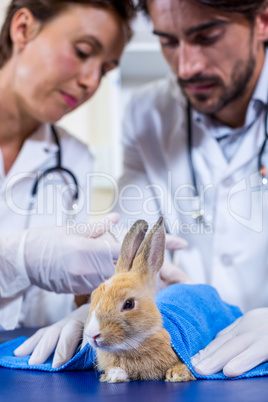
<point>114,374</point>
<point>179,373</point>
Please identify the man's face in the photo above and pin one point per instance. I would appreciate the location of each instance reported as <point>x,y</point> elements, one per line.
<point>215,55</point>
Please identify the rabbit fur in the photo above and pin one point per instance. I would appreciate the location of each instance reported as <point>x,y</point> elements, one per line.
<point>124,323</point>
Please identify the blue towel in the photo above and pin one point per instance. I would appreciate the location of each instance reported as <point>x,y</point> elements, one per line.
<point>192,314</point>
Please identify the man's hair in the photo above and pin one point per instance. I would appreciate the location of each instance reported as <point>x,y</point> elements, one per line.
<point>45,10</point>
<point>249,8</point>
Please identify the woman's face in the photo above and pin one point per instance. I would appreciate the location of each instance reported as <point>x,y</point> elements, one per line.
<point>61,67</point>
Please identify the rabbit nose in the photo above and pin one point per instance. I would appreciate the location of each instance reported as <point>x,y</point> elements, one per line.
<point>95,338</point>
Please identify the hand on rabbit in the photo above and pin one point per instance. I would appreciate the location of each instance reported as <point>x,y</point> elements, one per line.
<point>63,335</point>
<point>238,348</point>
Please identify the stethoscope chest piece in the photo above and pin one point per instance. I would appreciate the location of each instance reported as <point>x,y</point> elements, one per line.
<point>263,175</point>
<point>198,210</point>
<point>75,207</point>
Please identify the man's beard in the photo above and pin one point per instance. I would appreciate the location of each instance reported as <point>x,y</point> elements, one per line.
<point>235,90</point>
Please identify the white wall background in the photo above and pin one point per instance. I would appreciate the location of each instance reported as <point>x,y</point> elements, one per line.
<point>3,5</point>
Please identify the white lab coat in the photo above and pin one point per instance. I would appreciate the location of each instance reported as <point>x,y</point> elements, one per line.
<point>37,307</point>
<point>230,250</point>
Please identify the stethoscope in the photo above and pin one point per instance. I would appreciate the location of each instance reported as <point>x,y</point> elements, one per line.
<point>261,167</point>
<point>57,167</point>
<point>198,209</point>
<point>198,212</point>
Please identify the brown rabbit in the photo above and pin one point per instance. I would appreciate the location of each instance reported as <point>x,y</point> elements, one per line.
<point>124,323</point>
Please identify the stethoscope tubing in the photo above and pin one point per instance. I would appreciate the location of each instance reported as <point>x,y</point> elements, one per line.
<point>261,167</point>
<point>190,147</point>
<point>57,167</point>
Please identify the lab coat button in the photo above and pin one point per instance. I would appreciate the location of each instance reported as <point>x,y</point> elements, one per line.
<point>227,260</point>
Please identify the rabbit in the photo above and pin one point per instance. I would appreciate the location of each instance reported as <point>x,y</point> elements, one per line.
<point>124,323</point>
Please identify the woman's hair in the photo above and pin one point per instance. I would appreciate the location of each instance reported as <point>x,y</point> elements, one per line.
<point>247,7</point>
<point>44,10</point>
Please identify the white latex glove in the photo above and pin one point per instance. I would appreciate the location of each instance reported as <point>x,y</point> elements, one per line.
<point>238,348</point>
<point>65,335</point>
<point>171,273</point>
<point>56,261</point>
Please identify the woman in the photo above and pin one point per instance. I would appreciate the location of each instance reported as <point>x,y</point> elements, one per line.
<point>53,55</point>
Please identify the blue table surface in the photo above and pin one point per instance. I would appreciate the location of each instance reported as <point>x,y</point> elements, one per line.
<point>19,385</point>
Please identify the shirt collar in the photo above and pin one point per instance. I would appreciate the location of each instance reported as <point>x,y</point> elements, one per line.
<point>41,139</point>
<point>43,135</point>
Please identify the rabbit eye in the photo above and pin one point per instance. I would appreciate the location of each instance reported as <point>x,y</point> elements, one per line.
<point>129,304</point>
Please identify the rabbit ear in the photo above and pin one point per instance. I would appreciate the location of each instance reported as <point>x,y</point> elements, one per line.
<point>131,243</point>
<point>150,255</point>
